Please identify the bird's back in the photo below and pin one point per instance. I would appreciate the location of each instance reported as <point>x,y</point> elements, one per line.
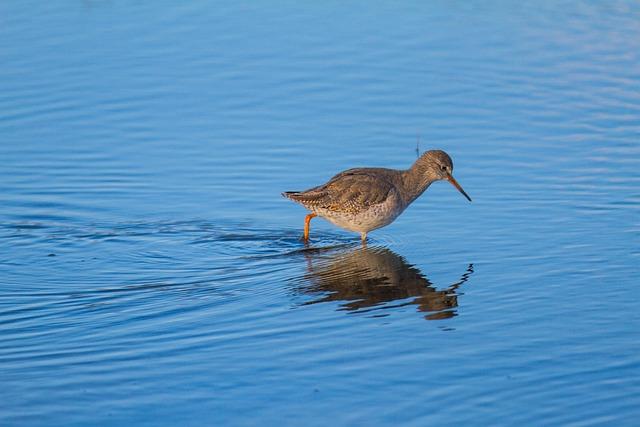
<point>350,191</point>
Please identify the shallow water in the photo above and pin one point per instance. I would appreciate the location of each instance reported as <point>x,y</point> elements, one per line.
<point>150,271</point>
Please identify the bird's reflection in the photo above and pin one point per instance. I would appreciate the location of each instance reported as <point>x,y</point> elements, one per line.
<point>367,279</point>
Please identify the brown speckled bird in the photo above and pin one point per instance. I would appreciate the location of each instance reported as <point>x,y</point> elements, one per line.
<point>365,199</point>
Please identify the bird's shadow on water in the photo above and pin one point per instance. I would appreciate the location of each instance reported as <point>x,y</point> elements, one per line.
<point>371,279</point>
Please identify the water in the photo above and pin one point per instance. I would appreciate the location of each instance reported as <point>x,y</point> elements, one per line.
<point>150,272</point>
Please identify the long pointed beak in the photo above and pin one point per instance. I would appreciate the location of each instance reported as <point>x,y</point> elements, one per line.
<point>452,180</point>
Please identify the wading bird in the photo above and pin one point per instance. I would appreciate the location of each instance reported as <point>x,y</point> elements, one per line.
<point>365,199</point>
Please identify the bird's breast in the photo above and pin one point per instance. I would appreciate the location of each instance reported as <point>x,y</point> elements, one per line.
<point>368,218</point>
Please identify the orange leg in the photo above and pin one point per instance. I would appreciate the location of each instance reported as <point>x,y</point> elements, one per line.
<point>307,220</point>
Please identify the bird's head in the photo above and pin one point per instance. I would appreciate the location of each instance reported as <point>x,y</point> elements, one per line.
<point>441,166</point>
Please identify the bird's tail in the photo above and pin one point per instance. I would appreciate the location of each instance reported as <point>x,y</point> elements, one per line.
<point>291,195</point>
<point>307,198</point>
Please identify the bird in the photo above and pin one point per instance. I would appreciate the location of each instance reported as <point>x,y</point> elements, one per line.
<point>365,199</point>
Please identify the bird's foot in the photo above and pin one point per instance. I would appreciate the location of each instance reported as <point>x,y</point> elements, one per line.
<point>363,238</point>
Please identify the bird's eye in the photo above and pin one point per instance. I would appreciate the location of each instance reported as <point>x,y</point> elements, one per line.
<point>443,167</point>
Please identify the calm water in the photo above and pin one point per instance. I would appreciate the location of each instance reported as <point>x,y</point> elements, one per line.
<point>150,272</point>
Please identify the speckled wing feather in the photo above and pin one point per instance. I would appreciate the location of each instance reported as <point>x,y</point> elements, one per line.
<point>351,191</point>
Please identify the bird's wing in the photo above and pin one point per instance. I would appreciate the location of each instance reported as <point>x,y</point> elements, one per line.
<point>351,191</point>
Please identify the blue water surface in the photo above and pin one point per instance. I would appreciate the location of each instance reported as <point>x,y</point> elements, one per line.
<point>151,273</point>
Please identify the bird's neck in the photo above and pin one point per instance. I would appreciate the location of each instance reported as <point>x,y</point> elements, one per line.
<point>417,179</point>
